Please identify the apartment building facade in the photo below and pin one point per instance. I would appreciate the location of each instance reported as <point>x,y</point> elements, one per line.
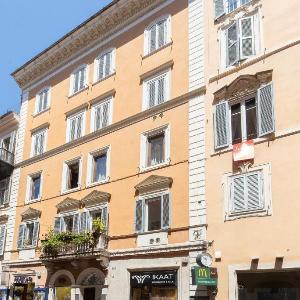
<point>9,125</point>
<point>252,147</point>
<point>111,201</point>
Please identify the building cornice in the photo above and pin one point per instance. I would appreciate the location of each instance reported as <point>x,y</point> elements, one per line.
<point>105,23</point>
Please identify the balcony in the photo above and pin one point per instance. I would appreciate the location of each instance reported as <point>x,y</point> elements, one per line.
<point>6,163</point>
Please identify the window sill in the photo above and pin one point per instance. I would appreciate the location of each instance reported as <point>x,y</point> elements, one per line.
<point>41,112</point>
<point>33,201</point>
<point>78,92</point>
<point>157,50</point>
<point>103,79</point>
<point>98,182</point>
<point>70,191</point>
<point>248,214</point>
<point>146,169</point>
<point>26,248</point>
<point>153,231</point>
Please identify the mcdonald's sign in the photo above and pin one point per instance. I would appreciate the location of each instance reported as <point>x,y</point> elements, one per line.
<point>205,276</point>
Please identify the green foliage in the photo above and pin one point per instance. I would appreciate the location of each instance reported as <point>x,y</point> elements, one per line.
<point>98,225</point>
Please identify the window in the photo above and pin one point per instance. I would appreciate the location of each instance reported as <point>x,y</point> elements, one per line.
<point>226,6</point>
<point>67,223</point>
<point>157,35</point>
<point>155,148</point>
<point>42,100</point>
<point>87,218</point>
<point>34,187</point>
<point>152,213</point>
<point>156,90</point>
<point>101,114</point>
<point>75,126</point>
<point>71,175</point>
<point>98,166</point>
<point>241,40</point>
<point>38,145</point>
<point>245,120</point>
<point>28,234</point>
<point>2,238</point>
<point>78,80</point>
<point>4,191</point>
<point>104,65</point>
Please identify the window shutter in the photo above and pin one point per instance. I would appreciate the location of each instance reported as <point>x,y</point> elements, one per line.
<point>45,102</point>
<point>232,44</point>
<point>36,144</point>
<point>57,224</point>
<point>265,110</point>
<point>21,236</point>
<point>165,211</point>
<point>238,194</point>
<point>2,238</point>
<point>41,146</point>
<point>152,39</point>
<point>84,222</point>
<point>254,191</point>
<point>104,217</point>
<point>246,37</point>
<point>151,93</point>
<point>97,117</point>
<point>162,33</point>
<point>219,8</point>
<point>35,236</point>
<point>161,90</point>
<point>221,124</point>
<point>40,102</point>
<point>105,112</point>
<point>75,223</point>
<point>101,67</point>
<point>139,216</point>
<point>82,73</point>
<point>108,64</point>
<point>79,126</point>
<point>72,129</point>
<point>76,82</point>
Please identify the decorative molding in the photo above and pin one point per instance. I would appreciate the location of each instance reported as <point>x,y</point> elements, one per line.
<point>95,197</point>
<point>77,109</point>
<point>116,126</point>
<point>30,213</point>
<point>3,219</point>
<point>157,50</point>
<point>168,65</point>
<point>102,97</point>
<point>154,183</point>
<point>68,204</point>
<point>243,86</point>
<point>42,126</point>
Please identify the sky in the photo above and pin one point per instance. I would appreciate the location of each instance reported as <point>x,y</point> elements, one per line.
<point>27,27</point>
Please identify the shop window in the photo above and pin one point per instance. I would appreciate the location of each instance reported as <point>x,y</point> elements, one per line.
<point>28,234</point>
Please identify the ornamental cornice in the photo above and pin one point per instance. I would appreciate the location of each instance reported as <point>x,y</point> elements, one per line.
<point>109,20</point>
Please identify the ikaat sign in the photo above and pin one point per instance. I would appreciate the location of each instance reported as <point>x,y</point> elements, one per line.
<point>153,278</point>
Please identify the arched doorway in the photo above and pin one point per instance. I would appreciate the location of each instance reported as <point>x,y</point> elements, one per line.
<point>61,283</point>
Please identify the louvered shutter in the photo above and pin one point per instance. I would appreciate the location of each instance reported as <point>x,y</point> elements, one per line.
<point>238,193</point>
<point>40,102</point>
<point>79,126</point>
<point>6,192</point>
<point>162,33</point>
<point>57,224</point>
<point>72,129</point>
<point>265,110</point>
<point>151,93</point>
<point>152,38</point>
<point>21,236</point>
<point>232,44</point>
<point>161,90</point>
<point>139,216</point>
<point>246,37</point>
<point>35,144</point>
<point>75,223</point>
<point>101,67</point>
<point>35,236</point>
<point>105,113</point>
<point>2,238</point>
<point>97,117</point>
<point>76,82</point>
<point>221,124</point>
<point>254,191</point>
<point>219,8</point>
<point>42,139</point>
<point>165,211</point>
<point>45,99</point>
<point>104,217</point>
<point>82,74</point>
<point>108,64</point>
<point>84,221</point>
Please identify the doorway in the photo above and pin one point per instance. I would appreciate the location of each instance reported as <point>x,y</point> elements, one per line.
<point>89,293</point>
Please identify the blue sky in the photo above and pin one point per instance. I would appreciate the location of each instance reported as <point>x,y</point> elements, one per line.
<point>27,28</point>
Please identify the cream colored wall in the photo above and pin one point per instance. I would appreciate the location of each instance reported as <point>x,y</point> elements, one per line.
<point>270,236</point>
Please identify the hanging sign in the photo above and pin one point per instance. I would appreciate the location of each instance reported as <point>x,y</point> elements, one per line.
<point>205,276</point>
<point>155,278</point>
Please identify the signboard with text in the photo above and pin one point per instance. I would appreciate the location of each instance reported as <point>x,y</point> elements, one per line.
<point>153,278</point>
<point>205,276</point>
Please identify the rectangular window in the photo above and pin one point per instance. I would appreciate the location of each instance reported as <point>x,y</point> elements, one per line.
<point>101,114</point>
<point>156,90</point>
<point>75,126</point>
<point>34,187</point>
<point>226,6</point>
<point>234,4</point>
<point>4,191</point>
<point>78,80</point>
<point>28,234</point>
<point>104,65</point>
<point>38,142</point>
<point>72,176</point>
<point>87,218</point>
<point>156,149</point>
<point>42,100</point>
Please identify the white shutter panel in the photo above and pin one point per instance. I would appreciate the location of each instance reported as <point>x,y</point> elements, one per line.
<point>139,216</point>
<point>151,93</point>
<point>2,238</point>
<point>254,191</point>
<point>42,140</point>
<point>72,129</point>
<point>6,192</point>
<point>232,44</point>
<point>75,223</point>
<point>84,222</point>
<point>165,211</point>
<point>221,125</point>
<point>238,194</point>
<point>162,33</point>
<point>105,112</point>
<point>265,110</point>
<point>101,67</point>
<point>57,224</point>
<point>79,126</point>
<point>246,37</point>
<point>161,90</point>
<point>104,218</point>
<point>21,236</point>
<point>108,64</point>
<point>219,8</point>
<point>35,236</point>
<point>152,39</point>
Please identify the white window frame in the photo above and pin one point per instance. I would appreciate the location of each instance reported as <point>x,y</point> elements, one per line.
<point>38,99</point>
<point>12,136</point>
<point>144,146</point>
<point>96,208</point>
<point>167,74</point>
<point>69,119</point>
<point>266,210</point>
<point>239,4</point>
<point>147,32</point>
<point>66,165</point>
<point>72,80</point>
<point>93,112</point>
<point>91,155</point>
<point>97,64</point>
<point>68,214</point>
<point>30,177</point>
<point>6,200</point>
<point>33,139</point>
<point>27,222</point>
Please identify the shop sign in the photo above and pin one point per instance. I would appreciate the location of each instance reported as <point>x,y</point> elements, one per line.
<point>205,276</point>
<point>155,278</point>
<point>22,279</point>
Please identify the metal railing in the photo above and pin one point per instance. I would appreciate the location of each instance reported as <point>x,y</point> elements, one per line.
<point>6,156</point>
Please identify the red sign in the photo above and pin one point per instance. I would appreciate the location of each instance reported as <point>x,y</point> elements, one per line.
<point>243,151</point>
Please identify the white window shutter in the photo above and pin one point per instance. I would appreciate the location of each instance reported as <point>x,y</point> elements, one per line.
<point>57,224</point>
<point>152,38</point>
<point>35,235</point>
<point>151,87</point>
<point>2,238</point>
<point>21,236</point>
<point>165,211</point>
<point>108,64</point>
<point>247,38</point>
<point>238,194</point>
<point>75,223</point>
<point>101,67</point>
<point>162,33</point>
<point>84,222</point>
<point>105,114</point>
<point>139,216</point>
<point>161,90</point>
<point>104,217</point>
<point>265,110</point>
<point>254,188</point>
<point>221,125</point>
<point>219,8</point>
<point>232,44</point>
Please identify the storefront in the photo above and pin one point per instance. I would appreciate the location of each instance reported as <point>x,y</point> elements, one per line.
<point>154,285</point>
<point>4,293</point>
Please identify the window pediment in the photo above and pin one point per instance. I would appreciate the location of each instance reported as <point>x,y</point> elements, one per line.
<point>153,183</point>
<point>95,197</point>
<point>68,204</point>
<point>30,213</point>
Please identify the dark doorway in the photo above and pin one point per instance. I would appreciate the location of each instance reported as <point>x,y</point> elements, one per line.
<point>89,294</point>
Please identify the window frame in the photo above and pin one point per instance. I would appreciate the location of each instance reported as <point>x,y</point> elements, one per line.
<point>93,112</point>
<point>93,209</point>
<point>91,155</point>
<point>72,80</point>
<point>26,223</point>
<point>167,18</point>
<point>33,140</point>
<point>37,100</point>
<point>68,129</point>
<point>30,178</point>
<point>64,180</point>
<point>112,51</point>
<point>6,200</point>
<point>144,146</point>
